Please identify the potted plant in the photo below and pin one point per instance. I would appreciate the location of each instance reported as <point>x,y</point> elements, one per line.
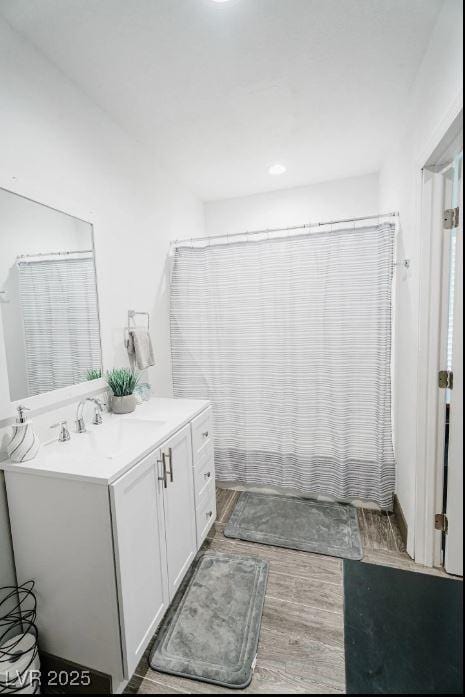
<point>94,374</point>
<point>122,382</point>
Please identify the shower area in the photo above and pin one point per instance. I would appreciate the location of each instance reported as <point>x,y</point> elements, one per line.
<point>288,334</point>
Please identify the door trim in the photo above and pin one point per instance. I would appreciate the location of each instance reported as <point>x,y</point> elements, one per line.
<point>424,542</point>
<point>453,561</point>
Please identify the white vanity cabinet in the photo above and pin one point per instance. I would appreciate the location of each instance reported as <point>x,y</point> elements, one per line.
<point>109,549</point>
<point>178,494</point>
<point>155,538</point>
<point>204,473</point>
<point>140,553</point>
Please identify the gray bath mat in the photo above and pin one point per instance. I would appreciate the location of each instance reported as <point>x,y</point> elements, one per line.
<point>303,524</point>
<point>211,630</point>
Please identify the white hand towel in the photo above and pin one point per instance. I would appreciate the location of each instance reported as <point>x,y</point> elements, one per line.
<point>140,349</point>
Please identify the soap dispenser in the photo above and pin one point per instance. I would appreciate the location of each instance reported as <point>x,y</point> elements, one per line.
<point>24,444</point>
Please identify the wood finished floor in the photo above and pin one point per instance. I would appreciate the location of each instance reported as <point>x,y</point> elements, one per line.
<point>301,648</point>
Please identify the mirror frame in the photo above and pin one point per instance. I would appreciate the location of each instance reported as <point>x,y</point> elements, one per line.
<point>43,402</point>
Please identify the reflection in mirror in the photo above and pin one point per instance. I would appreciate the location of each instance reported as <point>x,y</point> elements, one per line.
<point>48,297</point>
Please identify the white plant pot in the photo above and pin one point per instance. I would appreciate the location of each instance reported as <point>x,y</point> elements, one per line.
<point>123,405</point>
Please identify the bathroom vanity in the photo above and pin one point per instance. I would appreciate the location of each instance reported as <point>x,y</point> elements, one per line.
<point>108,524</point>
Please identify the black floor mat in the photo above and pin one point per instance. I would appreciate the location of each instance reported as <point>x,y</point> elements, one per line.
<point>403,631</point>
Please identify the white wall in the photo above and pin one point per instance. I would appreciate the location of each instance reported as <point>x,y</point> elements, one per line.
<point>58,148</point>
<point>435,96</point>
<point>343,198</point>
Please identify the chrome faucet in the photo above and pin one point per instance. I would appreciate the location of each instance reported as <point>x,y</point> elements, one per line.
<point>64,435</point>
<point>80,421</point>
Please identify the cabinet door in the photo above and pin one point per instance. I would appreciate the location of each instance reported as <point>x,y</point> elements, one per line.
<point>179,506</point>
<point>140,550</point>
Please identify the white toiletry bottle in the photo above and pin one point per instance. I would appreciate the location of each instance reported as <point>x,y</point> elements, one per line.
<point>24,444</point>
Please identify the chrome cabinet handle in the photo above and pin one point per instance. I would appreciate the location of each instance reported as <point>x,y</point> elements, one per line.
<point>169,456</point>
<point>207,475</point>
<point>163,478</point>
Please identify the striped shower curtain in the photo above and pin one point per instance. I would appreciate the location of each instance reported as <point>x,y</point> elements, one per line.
<point>290,339</point>
<point>58,300</point>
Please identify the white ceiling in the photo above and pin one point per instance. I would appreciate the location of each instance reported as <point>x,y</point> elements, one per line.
<point>219,91</point>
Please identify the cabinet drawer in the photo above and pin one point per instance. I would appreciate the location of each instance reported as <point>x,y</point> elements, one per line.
<point>202,435</point>
<point>206,512</point>
<point>204,473</point>
<point>206,454</point>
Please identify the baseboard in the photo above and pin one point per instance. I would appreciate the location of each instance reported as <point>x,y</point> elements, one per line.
<point>284,491</point>
<point>401,521</point>
<point>60,676</point>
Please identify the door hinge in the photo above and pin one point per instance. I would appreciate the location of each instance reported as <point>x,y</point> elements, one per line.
<point>446,379</point>
<point>451,218</point>
<point>441,522</point>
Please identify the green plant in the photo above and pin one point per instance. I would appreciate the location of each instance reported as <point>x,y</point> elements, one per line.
<point>122,381</point>
<point>94,374</point>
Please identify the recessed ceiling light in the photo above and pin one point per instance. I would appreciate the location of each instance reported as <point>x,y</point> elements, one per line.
<point>277,169</point>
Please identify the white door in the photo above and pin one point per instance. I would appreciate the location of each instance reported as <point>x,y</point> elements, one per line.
<point>454,499</point>
<point>140,550</point>
<point>176,455</point>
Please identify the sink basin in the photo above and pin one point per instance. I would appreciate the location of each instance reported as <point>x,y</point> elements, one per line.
<point>111,439</point>
<point>107,441</point>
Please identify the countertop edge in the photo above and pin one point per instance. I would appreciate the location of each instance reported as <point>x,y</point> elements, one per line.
<point>26,468</point>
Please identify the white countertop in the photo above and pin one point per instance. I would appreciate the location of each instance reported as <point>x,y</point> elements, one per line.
<point>76,460</point>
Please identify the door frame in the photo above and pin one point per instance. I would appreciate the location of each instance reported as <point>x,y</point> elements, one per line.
<point>453,558</point>
<point>429,436</point>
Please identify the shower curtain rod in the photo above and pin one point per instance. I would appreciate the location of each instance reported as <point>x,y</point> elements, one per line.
<point>54,254</point>
<point>304,226</point>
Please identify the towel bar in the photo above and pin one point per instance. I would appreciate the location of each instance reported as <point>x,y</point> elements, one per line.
<point>132,314</point>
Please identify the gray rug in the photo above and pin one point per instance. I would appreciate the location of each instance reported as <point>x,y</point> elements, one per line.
<point>303,524</point>
<point>211,630</point>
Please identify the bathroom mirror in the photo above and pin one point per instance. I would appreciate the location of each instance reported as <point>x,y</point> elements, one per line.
<point>48,298</point>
